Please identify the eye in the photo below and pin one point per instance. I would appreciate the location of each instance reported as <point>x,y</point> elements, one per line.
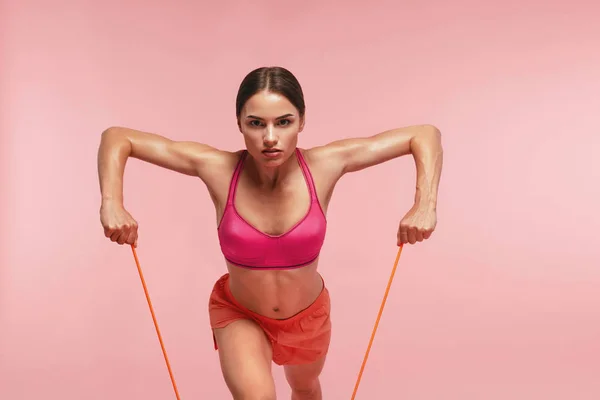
<point>255,123</point>
<point>284,122</point>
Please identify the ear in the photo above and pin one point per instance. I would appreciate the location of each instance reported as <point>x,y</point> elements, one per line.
<point>302,121</point>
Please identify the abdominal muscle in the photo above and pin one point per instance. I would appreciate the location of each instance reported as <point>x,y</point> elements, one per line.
<point>277,294</point>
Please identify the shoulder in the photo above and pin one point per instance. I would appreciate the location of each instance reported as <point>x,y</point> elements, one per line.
<point>325,162</point>
<point>216,171</point>
<point>211,157</point>
<point>216,164</point>
<point>329,157</point>
<point>329,153</point>
<point>224,158</point>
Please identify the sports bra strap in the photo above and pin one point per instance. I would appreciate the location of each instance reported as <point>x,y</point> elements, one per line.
<point>307,176</point>
<point>303,166</point>
<point>235,178</point>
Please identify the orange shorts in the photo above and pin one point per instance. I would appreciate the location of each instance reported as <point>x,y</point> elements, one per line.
<point>301,339</point>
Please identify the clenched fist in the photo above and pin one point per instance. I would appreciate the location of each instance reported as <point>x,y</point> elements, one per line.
<point>119,225</point>
<point>417,225</point>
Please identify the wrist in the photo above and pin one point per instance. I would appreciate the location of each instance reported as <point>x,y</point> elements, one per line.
<point>426,200</point>
<point>111,201</point>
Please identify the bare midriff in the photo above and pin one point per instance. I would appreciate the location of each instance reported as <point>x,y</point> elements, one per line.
<point>277,294</point>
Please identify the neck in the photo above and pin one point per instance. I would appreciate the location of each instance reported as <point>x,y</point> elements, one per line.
<point>272,177</point>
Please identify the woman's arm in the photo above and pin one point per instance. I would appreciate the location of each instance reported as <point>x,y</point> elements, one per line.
<point>424,143</point>
<point>118,144</point>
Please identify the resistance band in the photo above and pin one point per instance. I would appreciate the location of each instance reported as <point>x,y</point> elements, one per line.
<point>387,291</point>
<point>162,346</point>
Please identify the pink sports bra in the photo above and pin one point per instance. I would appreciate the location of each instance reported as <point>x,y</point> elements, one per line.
<point>245,246</point>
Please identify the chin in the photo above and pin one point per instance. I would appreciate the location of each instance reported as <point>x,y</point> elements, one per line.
<point>276,161</point>
<point>273,163</point>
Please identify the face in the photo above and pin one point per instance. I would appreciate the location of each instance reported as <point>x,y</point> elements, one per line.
<point>270,124</point>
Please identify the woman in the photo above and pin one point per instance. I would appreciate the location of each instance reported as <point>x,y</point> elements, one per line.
<point>271,203</point>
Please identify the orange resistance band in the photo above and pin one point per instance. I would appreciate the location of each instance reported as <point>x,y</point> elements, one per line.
<point>387,291</point>
<point>137,262</point>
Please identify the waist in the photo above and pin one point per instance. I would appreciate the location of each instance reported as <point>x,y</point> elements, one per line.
<point>275,294</point>
<point>263,265</point>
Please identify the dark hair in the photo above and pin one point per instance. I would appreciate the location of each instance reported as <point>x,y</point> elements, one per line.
<point>274,79</point>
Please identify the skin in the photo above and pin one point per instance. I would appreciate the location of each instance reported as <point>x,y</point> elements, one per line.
<point>272,196</point>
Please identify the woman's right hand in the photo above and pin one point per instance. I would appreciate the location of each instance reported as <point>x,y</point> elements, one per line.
<point>119,225</point>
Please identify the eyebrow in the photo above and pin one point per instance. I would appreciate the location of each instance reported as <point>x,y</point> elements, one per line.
<point>283,116</point>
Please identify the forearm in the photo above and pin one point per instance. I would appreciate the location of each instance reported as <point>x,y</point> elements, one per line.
<point>113,152</point>
<point>427,151</point>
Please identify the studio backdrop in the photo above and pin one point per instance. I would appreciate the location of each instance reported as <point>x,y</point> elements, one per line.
<point>500,303</point>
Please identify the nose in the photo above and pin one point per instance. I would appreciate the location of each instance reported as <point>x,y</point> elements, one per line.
<point>270,139</point>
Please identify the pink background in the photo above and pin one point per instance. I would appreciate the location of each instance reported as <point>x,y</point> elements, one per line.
<point>501,303</point>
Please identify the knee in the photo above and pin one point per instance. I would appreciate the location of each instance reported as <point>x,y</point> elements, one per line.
<point>307,391</point>
<point>250,387</point>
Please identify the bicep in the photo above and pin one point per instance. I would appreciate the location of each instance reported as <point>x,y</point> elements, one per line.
<point>185,157</point>
<point>356,154</point>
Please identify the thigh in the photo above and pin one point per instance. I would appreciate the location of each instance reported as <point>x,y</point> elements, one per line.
<point>246,359</point>
<point>302,376</point>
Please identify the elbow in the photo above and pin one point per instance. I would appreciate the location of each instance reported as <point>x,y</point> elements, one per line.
<point>432,130</point>
<point>116,134</point>
<point>432,134</point>
<point>426,132</point>
<point>112,131</point>
<point>117,137</point>
<point>427,135</point>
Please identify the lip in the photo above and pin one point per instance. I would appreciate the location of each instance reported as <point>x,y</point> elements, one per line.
<point>272,153</point>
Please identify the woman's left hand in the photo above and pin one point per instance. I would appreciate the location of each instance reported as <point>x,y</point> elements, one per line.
<point>417,225</point>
